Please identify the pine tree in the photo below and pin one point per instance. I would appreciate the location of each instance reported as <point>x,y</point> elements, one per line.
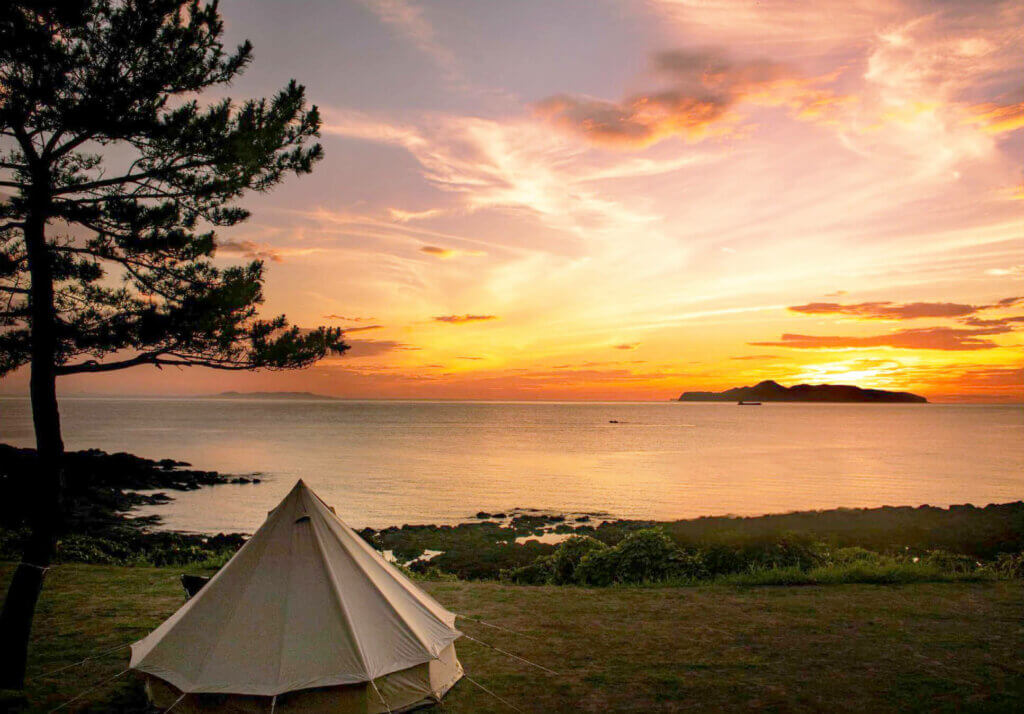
<point>114,178</point>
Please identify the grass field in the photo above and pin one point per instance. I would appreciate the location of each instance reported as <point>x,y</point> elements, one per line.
<point>920,647</point>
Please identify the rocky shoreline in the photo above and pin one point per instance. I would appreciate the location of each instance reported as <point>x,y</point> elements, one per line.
<point>104,488</point>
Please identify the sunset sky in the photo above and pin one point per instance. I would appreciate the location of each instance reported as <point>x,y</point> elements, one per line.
<point>627,199</point>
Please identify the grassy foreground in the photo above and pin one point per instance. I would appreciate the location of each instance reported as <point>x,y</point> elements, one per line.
<point>921,647</point>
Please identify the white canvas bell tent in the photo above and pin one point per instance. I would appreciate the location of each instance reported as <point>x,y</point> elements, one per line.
<point>306,617</point>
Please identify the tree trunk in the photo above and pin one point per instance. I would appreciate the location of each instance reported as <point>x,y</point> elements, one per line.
<point>45,506</point>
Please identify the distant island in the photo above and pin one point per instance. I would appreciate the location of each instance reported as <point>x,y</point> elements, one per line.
<point>270,395</point>
<point>770,391</point>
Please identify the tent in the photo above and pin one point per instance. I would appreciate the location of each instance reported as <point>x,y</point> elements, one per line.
<point>306,617</point>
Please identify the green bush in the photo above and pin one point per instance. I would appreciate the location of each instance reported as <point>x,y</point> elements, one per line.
<point>643,556</point>
<point>855,554</point>
<point>737,553</point>
<point>598,567</point>
<point>539,572</point>
<point>1009,565</point>
<point>567,557</point>
<point>951,562</point>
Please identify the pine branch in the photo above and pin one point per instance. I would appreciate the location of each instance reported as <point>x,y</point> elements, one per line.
<point>128,178</point>
<point>156,359</point>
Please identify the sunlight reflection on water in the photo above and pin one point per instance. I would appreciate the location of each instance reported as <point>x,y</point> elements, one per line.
<point>383,463</point>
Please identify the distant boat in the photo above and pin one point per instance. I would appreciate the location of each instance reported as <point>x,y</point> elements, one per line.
<point>748,404</point>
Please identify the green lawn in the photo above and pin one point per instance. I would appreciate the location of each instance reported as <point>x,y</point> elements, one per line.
<point>941,646</point>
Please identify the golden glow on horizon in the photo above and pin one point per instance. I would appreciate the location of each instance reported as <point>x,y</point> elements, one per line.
<point>641,222</point>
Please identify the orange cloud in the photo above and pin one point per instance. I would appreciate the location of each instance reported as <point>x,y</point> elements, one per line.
<point>1014,271</point>
<point>362,329</point>
<point>401,216</point>
<point>929,338</point>
<point>444,253</point>
<point>895,311</point>
<point>997,118</point>
<point>997,322</point>
<point>372,348</point>
<point>259,251</point>
<point>705,86</point>
<point>639,121</point>
<point>459,319</point>
<point>333,316</point>
<point>627,346</point>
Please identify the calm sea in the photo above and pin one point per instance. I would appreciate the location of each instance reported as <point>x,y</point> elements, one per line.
<point>384,463</point>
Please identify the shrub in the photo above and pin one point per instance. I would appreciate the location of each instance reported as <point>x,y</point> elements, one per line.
<point>743,553</point>
<point>539,572</point>
<point>646,555</point>
<point>598,567</point>
<point>855,554</point>
<point>1009,565</point>
<point>567,557</point>
<point>951,562</point>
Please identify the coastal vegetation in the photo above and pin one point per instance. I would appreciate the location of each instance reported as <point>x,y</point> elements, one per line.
<point>869,545</point>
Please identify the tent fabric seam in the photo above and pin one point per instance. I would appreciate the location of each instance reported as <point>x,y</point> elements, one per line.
<point>406,587</point>
<point>387,601</point>
<point>336,596</point>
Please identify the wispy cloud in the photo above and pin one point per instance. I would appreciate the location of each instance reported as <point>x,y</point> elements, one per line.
<point>704,86</point>
<point>373,348</point>
<point>900,311</point>
<point>364,328</point>
<point>509,164</point>
<point>444,253</point>
<point>929,338</point>
<point>460,319</point>
<point>1015,271</point>
<point>406,216</point>
<point>333,316</point>
<point>259,251</point>
<point>409,19</point>
<point>993,322</point>
<point>998,119</point>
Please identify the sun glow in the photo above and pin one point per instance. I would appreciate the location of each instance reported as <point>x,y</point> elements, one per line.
<point>671,212</point>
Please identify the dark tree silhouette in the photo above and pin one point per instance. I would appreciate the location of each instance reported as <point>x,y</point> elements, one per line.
<point>113,180</point>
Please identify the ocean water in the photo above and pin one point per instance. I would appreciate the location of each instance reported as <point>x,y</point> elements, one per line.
<point>387,463</point>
